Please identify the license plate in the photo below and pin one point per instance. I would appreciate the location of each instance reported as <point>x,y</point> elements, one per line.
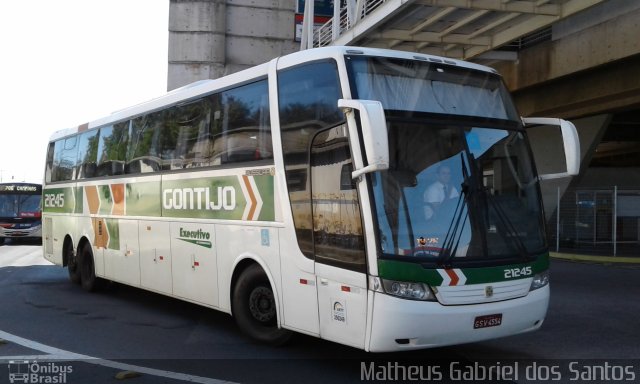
<point>487,321</point>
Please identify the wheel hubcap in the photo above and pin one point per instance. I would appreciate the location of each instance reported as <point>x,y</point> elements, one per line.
<point>262,304</point>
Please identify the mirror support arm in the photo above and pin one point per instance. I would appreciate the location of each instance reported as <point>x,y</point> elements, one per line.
<point>374,134</point>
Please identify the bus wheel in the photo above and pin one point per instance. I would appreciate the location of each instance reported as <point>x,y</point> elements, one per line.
<point>72,263</point>
<point>254,307</point>
<point>88,279</point>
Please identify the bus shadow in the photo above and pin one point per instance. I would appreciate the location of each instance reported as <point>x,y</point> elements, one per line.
<point>19,241</point>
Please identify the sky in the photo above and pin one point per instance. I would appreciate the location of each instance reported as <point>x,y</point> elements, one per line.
<point>67,62</point>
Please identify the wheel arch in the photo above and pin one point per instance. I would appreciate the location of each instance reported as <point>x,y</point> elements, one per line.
<point>242,263</point>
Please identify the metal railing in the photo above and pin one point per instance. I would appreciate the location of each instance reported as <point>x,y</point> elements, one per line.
<point>349,15</point>
<point>604,221</point>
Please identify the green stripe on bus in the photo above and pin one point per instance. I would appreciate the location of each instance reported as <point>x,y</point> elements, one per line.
<point>113,228</point>
<point>143,199</point>
<point>265,186</point>
<point>106,201</point>
<point>414,272</point>
<point>60,200</point>
<point>223,197</point>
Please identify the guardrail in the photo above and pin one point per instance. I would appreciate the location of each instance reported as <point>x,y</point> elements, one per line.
<point>603,221</point>
<point>348,16</point>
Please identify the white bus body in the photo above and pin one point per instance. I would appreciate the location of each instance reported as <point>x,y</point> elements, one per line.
<point>237,194</point>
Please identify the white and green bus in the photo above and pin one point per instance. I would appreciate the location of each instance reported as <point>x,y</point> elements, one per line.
<point>295,196</point>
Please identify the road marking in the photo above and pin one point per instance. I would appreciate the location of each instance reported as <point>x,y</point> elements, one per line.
<point>53,353</point>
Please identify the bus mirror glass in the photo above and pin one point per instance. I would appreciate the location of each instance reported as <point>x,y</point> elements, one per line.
<point>570,141</point>
<point>374,133</point>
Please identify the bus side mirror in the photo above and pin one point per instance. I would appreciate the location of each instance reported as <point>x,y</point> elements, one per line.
<point>374,133</point>
<point>570,141</point>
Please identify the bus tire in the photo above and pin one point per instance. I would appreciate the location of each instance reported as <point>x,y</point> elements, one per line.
<point>254,307</point>
<point>72,263</point>
<point>88,279</point>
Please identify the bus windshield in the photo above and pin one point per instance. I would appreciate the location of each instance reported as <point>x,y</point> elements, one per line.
<point>19,205</point>
<point>412,85</point>
<point>461,187</point>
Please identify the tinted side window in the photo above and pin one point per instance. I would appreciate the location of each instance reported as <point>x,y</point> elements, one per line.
<point>243,118</point>
<point>143,155</point>
<point>186,135</point>
<point>48,171</point>
<point>308,95</point>
<point>64,159</point>
<point>112,149</point>
<point>338,235</point>
<point>87,153</point>
<point>308,102</point>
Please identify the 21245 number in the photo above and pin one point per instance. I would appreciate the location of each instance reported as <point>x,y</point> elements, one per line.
<point>54,200</point>
<point>513,273</point>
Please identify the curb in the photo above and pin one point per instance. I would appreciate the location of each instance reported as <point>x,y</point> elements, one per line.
<point>595,259</point>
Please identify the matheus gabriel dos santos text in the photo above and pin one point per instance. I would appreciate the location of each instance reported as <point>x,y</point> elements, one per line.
<point>463,372</point>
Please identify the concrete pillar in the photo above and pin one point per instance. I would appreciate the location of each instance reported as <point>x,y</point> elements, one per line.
<point>212,38</point>
<point>197,41</point>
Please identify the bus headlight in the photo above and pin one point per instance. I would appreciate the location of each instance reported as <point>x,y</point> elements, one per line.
<point>539,280</point>
<point>403,289</point>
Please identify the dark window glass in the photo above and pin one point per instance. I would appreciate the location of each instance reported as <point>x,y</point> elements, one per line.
<point>64,159</point>
<point>48,173</point>
<point>338,236</point>
<point>231,126</point>
<point>87,154</point>
<point>308,97</point>
<point>346,181</point>
<point>112,149</point>
<point>187,139</point>
<point>297,180</point>
<point>143,155</point>
<point>242,116</point>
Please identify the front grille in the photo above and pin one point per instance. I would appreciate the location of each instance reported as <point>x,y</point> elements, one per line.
<point>483,293</point>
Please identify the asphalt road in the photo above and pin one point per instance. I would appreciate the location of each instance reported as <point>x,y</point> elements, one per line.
<point>72,336</point>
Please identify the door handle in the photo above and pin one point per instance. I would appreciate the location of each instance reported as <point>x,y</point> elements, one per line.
<point>324,281</point>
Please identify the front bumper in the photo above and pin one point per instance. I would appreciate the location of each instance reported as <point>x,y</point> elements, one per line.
<point>399,324</point>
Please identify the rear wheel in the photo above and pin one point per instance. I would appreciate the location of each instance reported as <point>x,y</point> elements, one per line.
<point>254,307</point>
<point>88,279</point>
<point>72,263</point>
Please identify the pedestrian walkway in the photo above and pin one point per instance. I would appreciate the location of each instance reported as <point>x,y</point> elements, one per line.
<point>596,259</point>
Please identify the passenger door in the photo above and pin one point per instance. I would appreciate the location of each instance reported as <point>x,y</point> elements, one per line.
<point>340,261</point>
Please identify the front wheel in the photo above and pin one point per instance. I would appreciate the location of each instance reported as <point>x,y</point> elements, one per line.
<point>254,307</point>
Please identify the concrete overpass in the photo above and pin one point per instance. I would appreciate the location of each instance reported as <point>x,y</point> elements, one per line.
<point>461,29</point>
<point>575,59</point>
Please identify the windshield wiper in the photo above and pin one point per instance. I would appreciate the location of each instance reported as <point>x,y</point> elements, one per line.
<point>509,229</point>
<point>510,232</point>
<point>454,231</point>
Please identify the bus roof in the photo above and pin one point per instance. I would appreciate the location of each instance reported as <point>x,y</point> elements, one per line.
<point>201,87</point>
